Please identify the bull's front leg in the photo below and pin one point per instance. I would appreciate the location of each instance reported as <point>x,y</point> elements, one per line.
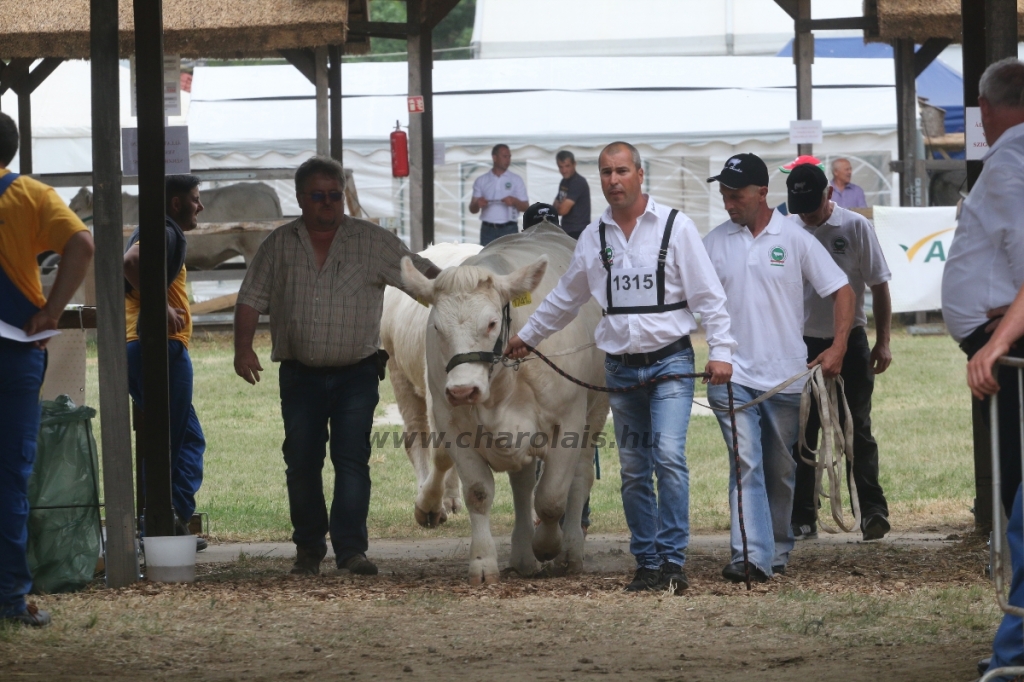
<point>523,482</point>
<point>550,500</point>
<point>478,485</point>
<point>430,508</point>
<point>572,547</point>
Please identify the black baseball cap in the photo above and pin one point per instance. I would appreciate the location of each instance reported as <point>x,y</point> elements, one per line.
<point>539,212</point>
<point>806,184</point>
<point>743,170</point>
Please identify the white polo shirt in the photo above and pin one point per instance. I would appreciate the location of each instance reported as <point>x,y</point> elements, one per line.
<point>850,239</point>
<point>764,286</point>
<point>494,188</point>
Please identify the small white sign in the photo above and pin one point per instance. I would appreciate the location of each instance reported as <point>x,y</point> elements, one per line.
<point>416,104</point>
<point>439,153</point>
<point>977,147</point>
<point>176,159</point>
<point>172,85</point>
<point>805,132</point>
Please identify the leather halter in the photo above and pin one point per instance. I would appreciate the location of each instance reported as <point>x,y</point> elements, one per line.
<point>486,357</point>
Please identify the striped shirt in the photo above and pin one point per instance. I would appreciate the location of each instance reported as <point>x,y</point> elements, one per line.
<point>328,317</point>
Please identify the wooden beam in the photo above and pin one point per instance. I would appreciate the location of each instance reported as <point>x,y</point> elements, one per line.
<point>334,81</point>
<point>214,305</point>
<point>803,58</point>
<point>912,190</point>
<point>25,132</point>
<point>122,560</point>
<point>303,60</point>
<point>421,134</point>
<point>15,70</point>
<point>973,28</point>
<point>323,134</point>
<point>383,29</point>
<point>927,53</point>
<point>155,440</point>
<point>789,7</point>
<point>840,24</point>
<point>32,80</point>
<point>439,9</point>
<point>1000,30</point>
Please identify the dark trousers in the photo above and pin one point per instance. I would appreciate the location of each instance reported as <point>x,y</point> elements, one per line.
<point>318,405</point>
<point>491,231</point>
<point>859,384</point>
<point>1008,645</point>
<point>21,376</point>
<point>188,445</point>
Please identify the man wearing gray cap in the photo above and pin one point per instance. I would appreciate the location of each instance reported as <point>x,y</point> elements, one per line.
<point>763,262</point>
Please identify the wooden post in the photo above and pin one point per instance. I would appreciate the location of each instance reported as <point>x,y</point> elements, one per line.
<point>122,561</point>
<point>1000,30</point>
<point>334,76</point>
<point>973,18</point>
<point>323,142</point>
<point>25,133</point>
<point>421,131</point>
<point>912,192</point>
<point>149,79</point>
<point>803,57</point>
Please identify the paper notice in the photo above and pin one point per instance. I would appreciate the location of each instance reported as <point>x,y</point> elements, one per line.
<point>9,331</point>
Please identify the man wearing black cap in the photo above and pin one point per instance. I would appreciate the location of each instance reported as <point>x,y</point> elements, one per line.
<point>763,261</point>
<point>852,243</point>
<point>538,213</point>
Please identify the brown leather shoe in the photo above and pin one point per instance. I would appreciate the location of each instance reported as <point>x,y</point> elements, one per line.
<point>307,560</point>
<point>357,564</point>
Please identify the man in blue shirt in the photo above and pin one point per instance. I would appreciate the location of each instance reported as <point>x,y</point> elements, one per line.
<point>845,193</point>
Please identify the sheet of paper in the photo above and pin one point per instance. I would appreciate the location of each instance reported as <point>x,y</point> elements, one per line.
<point>9,331</point>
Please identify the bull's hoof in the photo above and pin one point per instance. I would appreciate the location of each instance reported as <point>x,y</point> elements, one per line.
<point>430,519</point>
<point>452,505</point>
<point>478,579</point>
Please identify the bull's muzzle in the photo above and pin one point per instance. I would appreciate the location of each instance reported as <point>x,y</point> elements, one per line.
<point>462,395</point>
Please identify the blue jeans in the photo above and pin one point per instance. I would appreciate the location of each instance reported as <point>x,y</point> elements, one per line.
<point>1008,646</point>
<point>21,376</point>
<point>767,433</point>
<point>342,400</point>
<point>650,428</point>
<point>187,441</point>
<point>491,231</point>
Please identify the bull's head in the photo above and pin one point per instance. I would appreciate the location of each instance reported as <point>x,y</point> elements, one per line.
<point>466,313</point>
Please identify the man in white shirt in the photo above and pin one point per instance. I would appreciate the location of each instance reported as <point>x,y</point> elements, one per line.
<point>763,261</point>
<point>499,196</point>
<point>644,264</point>
<point>982,275</point>
<point>851,241</point>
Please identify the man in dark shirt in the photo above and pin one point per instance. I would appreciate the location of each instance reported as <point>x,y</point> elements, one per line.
<point>573,200</point>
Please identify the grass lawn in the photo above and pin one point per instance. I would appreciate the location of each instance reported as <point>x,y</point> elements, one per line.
<point>921,421</point>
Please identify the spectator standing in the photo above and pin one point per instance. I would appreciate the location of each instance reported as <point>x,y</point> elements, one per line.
<point>844,192</point>
<point>33,220</point>
<point>573,200</point>
<point>188,445</point>
<point>850,240</point>
<point>763,261</point>
<point>321,279</point>
<point>499,196</point>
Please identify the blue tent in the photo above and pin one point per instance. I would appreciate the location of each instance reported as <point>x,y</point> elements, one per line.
<point>943,86</point>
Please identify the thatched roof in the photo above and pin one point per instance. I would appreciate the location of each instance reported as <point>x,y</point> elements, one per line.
<point>923,19</point>
<point>192,28</point>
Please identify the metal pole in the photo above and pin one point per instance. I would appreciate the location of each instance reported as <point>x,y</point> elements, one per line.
<point>149,79</point>
<point>122,561</point>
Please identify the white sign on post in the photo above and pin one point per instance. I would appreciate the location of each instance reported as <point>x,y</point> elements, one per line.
<point>915,242</point>
<point>176,159</point>
<point>977,146</point>
<point>805,132</point>
<point>172,85</point>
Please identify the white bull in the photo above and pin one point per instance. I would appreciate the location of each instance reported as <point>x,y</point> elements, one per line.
<point>530,414</point>
<point>403,329</point>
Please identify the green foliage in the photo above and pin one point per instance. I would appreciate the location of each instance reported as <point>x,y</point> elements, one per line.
<point>455,30</point>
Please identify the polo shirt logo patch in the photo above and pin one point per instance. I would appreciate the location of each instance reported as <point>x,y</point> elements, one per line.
<point>508,185</point>
<point>777,256</point>
<point>839,246</point>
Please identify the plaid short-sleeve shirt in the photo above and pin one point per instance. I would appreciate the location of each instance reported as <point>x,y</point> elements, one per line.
<point>328,317</point>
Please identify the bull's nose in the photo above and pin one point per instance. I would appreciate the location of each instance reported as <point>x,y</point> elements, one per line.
<point>460,395</point>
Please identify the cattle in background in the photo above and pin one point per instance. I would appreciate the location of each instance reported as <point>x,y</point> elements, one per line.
<point>500,419</point>
<point>403,329</point>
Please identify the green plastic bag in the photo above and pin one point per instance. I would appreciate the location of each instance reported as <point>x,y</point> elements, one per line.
<point>64,524</point>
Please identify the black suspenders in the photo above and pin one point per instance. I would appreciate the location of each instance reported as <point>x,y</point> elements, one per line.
<point>661,307</point>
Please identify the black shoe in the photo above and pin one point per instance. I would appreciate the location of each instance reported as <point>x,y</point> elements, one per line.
<point>983,665</point>
<point>673,578</point>
<point>779,570</point>
<point>645,579</point>
<point>307,560</point>
<point>181,529</point>
<point>875,527</point>
<point>31,616</point>
<point>734,573</point>
<point>805,531</point>
<point>357,564</point>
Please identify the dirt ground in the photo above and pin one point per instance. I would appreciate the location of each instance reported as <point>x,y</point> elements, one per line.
<point>857,611</point>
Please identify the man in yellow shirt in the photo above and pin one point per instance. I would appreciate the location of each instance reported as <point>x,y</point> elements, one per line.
<point>187,441</point>
<point>33,220</point>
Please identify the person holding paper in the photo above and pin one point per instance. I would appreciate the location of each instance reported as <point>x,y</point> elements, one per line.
<point>33,220</point>
<point>499,196</point>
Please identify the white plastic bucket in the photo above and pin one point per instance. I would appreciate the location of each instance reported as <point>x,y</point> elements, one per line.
<point>171,559</point>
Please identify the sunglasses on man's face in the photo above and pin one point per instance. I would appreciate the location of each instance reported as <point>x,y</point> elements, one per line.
<point>322,197</point>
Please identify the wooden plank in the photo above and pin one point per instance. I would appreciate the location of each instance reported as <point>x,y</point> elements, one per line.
<point>837,24</point>
<point>122,561</point>
<point>302,60</point>
<point>34,79</point>
<point>323,135</point>
<point>334,82</point>
<point>214,305</point>
<point>912,190</point>
<point>382,29</point>
<point>15,70</point>
<point>928,52</point>
<point>973,18</point>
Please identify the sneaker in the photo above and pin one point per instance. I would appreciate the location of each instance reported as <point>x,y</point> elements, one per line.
<point>734,573</point>
<point>645,579</point>
<point>673,578</point>
<point>357,564</point>
<point>875,527</point>
<point>307,560</point>
<point>805,531</point>
<point>32,616</point>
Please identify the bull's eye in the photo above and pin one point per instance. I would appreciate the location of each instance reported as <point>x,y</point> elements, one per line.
<point>491,325</point>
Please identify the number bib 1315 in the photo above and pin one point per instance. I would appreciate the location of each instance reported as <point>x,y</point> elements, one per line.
<point>633,287</point>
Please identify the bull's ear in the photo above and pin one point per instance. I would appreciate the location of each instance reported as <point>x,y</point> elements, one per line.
<point>526,278</point>
<point>416,283</point>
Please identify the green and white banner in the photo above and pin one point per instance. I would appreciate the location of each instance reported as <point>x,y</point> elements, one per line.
<point>915,242</point>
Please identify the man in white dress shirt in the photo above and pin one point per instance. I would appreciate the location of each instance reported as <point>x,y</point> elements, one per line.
<point>499,196</point>
<point>763,261</point>
<point>983,273</point>
<point>644,264</point>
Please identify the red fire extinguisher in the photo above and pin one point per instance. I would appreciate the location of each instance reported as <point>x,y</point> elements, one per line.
<point>399,152</point>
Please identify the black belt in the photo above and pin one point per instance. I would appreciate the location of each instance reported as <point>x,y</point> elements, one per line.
<point>337,369</point>
<point>511,222</point>
<point>645,359</point>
